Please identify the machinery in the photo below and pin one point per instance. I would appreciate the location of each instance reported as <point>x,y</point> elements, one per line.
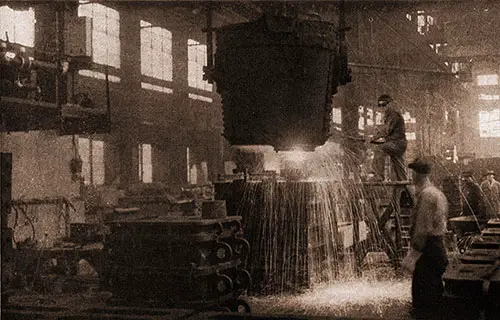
<point>36,94</point>
<point>475,277</point>
<point>183,261</point>
<point>276,77</point>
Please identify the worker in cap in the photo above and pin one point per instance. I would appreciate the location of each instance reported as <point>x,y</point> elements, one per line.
<point>427,259</point>
<point>472,196</point>
<point>491,191</point>
<point>391,141</point>
<point>384,99</point>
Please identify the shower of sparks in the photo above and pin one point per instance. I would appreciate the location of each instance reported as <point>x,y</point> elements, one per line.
<point>386,299</point>
<point>300,227</point>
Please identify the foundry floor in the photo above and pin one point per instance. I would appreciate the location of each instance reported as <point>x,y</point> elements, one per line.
<point>323,303</point>
<point>379,293</point>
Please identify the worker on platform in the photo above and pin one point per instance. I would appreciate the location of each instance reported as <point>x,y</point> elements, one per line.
<point>427,258</point>
<point>391,141</point>
<point>473,201</point>
<point>491,191</point>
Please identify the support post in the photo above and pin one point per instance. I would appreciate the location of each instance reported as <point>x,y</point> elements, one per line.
<point>6,236</point>
<point>5,187</point>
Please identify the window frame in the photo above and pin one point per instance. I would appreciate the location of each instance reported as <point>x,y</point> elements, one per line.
<point>491,118</point>
<point>197,59</point>
<point>140,162</point>
<point>490,79</point>
<point>91,161</point>
<point>20,23</point>
<point>162,54</point>
<point>110,14</point>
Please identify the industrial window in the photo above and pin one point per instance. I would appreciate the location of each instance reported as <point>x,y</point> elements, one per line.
<point>437,47</point>
<point>105,33</point>
<point>197,59</point>
<point>154,87</point>
<point>18,26</point>
<point>145,163</point>
<point>99,75</point>
<point>457,67</point>
<point>92,154</point>
<point>483,96</point>
<point>410,126</point>
<point>198,97</point>
<point>337,115</point>
<point>361,119</point>
<point>379,118</point>
<point>487,80</point>
<point>156,52</point>
<point>489,124</point>
<point>424,22</point>
<point>369,117</point>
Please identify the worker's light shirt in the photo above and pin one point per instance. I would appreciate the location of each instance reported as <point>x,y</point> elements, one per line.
<point>429,218</point>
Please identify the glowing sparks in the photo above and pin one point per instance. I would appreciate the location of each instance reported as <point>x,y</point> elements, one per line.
<point>296,156</point>
<point>358,297</point>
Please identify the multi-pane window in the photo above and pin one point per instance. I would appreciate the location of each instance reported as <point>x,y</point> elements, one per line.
<point>487,80</point>
<point>361,119</point>
<point>410,126</point>
<point>437,47</point>
<point>457,67</point>
<point>105,33</point>
<point>424,22</point>
<point>156,52</point>
<point>145,163</point>
<point>92,154</point>
<point>369,117</point>
<point>379,118</point>
<point>197,59</point>
<point>489,124</point>
<point>490,97</point>
<point>18,26</point>
<point>337,115</point>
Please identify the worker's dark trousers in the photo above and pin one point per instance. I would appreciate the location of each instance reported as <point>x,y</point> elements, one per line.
<point>427,283</point>
<point>396,150</point>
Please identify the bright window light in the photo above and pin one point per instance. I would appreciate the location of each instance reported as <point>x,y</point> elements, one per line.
<point>197,59</point>
<point>156,52</point>
<point>379,118</point>
<point>98,75</point>
<point>411,136</point>
<point>105,33</point>
<point>489,124</point>
<point>369,117</point>
<point>19,25</point>
<point>92,154</point>
<point>145,163</point>
<point>153,87</point>
<point>490,97</point>
<point>361,119</point>
<point>487,80</point>
<point>337,115</point>
<point>198,97</point>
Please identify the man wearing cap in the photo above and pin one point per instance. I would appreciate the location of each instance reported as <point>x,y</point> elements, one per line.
<point>491,191</point>
<point>427,255</point>
<point>473,204</point>
<point>391,141</point>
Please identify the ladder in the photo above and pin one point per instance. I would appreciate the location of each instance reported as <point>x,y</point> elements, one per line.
<point>392,203</point>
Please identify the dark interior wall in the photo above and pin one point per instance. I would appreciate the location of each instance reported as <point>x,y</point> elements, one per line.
<point>482,147</point>
<point>388,55</point>
<point>171,122</point>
